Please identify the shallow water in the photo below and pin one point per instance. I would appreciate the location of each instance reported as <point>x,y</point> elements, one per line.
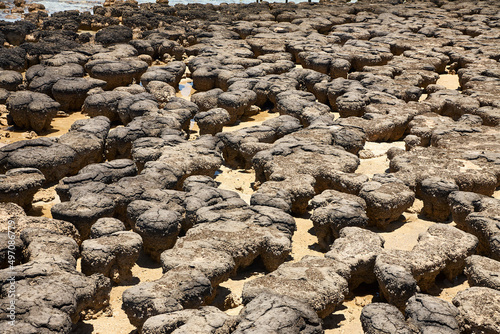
<point>86,5</point>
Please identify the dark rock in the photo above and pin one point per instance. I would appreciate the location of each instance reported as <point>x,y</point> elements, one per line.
<point>106,172</point>
<point>434,193</point>
<point>14,249</point>
<point>394,277</point>
<point>212,121</point>
<point>207,319</point>
<point>42,78</point>
<point>13,59</point>
<point>441,249</point>
<point>357,248</point>
<point>136,105</point>
<point>105,227</point>
<point>237,103</point>
<point>87,138</point>
<point>104,104</point>
<point>116,72</point>
<point>84,212</point>
<point>207,100</point>
<point>171,74</point>
<point>386,200</point>
<point>112,255</point>
<point>19,185</point>
<point>333,211</point>
<point>4,95</point>
<point>240,146</point>
<point>476,214</point>
<point>159,230</point>
<point>277,314</point>
<point>479,310</point>
<point>31,110</point>
<point>431,314</point>
<point>162,91</point>
<point>54,160</point>
<point>283,167</point>
<point>71,93</point>
<point>10,80</point>
<point>318,282</point>
<point>177,289</point>
<point>381,318</point>
<point>114,35</point>
<point>482,271</point>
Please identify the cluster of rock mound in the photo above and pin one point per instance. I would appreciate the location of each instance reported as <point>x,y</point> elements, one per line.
<point>132,178</point>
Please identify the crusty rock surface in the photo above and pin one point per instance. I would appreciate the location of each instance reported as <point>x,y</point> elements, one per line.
<point>277,314</point>
<point>318,282</point>
<point>112,255</point>
<point>441,249</point>
<point>19,185</point>
<point>31,110</point>
<point>483,271</point>
<point>478,310</point>
<point>476,214</point>
<point>431,314</point>
<point>381,318</point>
<point>386,199</point>
<point>333,211</point>
<point>207,319</point>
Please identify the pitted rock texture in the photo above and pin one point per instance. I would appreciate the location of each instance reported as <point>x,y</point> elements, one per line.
<point>431,314</point>
<point>111,255</point>
<point>47,283</point>
<point>381,318</point>
<point>478,310</point>
<point>31,110</point>
<point>483,271</point>
<point>441,249</point>
<point>19,185</point>
<point>300,170</point>
<point>207,319</point>
<point>386,199</point>
<point>277,314</point>
<point>477,214</point>
<point>321,283</point>
<point>333,211</point>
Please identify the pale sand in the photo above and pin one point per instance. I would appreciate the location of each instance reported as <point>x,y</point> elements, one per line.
<point>251,121</point>
<point>59,126</point>
<point>379,164</point>
<point>450,81</point>
<point>43,201</point>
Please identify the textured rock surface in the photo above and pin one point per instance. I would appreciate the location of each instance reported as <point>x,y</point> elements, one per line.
<point>482,271</point>
<point>478,310</point>
<point>31,110</point>
<point>277,314</point>
<point>378,318</point>
<point>19,185</point>
<point>431,314</point>
<point>112,255</point>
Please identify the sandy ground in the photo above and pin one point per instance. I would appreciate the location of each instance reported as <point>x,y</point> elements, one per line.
<point>59,126</point>
<point>401,235</point>
<point>450,81</point>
